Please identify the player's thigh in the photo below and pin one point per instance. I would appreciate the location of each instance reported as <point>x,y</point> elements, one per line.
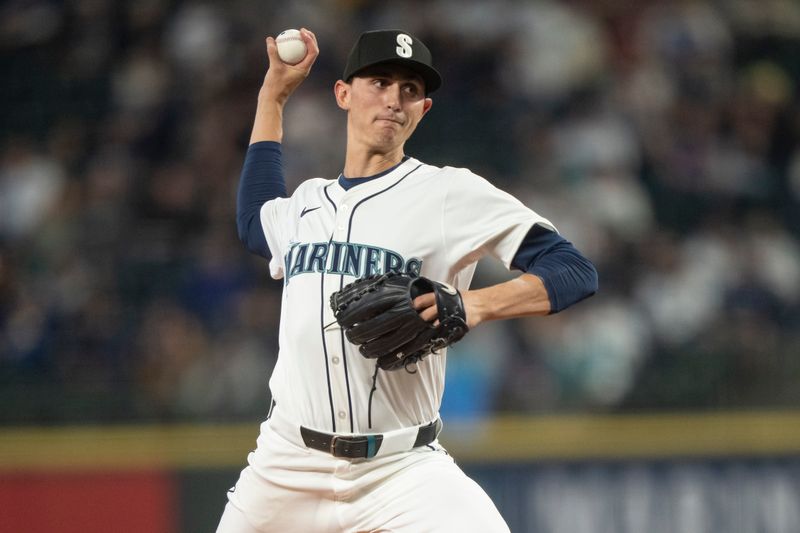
<point>234,521</point>
<point>285,488</point>
<point>436,495</point>
<point>284,501</point>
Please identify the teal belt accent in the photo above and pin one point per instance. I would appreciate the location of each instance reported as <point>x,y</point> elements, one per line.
<point>371,450</point>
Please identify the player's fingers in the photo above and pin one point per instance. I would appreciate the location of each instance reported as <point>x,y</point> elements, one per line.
<point>311,43</point>
<point>429,314</point>
<point>272,52</point>
<point>309,37</point>
<point>426,306</point>
<point>312,49</point>
<point>423,301</point>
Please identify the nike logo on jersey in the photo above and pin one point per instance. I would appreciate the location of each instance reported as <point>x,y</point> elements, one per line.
<point>347,258</point>
<point>306,210</point>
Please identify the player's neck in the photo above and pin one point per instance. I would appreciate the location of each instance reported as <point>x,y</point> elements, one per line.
<point>362,164</point>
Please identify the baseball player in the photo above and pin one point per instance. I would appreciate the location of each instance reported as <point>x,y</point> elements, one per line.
<point>351,445</point>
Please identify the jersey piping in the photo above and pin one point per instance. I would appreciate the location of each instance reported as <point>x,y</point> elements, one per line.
<point>328,196</point>
<point>325,345</point>
<point>322,326</point>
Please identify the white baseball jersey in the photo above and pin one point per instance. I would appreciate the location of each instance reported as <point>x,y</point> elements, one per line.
<point>415,218</point>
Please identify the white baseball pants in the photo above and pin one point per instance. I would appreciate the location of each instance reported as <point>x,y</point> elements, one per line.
<point>288,487</point>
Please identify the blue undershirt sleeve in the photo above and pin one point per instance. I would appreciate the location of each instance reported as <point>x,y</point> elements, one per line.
<point>567,275</point>
<point>261,181</point>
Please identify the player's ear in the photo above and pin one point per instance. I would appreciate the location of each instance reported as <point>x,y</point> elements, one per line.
<point>341,90</point>
<point>426,106</point>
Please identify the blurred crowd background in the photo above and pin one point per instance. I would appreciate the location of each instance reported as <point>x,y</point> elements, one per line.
<point>661,137</point>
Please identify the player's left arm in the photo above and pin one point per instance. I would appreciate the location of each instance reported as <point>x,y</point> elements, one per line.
<point>556,276</point>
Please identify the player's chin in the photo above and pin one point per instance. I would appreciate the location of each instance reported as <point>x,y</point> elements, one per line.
<point>388,128</point>
<point>387,137</point>
<point>392,134</point>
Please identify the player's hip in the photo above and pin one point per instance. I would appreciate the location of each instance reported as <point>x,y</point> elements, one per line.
<point>346,446</point>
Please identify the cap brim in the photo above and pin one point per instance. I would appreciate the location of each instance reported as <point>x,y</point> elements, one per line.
<point>431,77</point>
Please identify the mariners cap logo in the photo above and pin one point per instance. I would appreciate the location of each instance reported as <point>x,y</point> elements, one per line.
<point>393,46</point>
<point>404,43</point>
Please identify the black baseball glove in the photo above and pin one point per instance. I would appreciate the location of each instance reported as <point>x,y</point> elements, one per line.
<point>377,313</point>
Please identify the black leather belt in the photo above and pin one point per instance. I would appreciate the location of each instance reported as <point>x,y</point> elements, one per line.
<point>360,446</point>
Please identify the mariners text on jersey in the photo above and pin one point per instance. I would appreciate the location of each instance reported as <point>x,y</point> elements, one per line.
<point>347,258</point>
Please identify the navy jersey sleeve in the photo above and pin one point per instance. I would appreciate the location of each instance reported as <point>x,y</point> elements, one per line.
<point>567,275</point>
<point>261,181</point>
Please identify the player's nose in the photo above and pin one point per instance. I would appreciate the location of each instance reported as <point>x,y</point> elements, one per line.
<point>392,97</point>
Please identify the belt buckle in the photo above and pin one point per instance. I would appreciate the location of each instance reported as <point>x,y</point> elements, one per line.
<point>343,446</point>
<point>334,438</point>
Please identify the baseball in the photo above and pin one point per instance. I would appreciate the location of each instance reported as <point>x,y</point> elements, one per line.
<point>291,47</point>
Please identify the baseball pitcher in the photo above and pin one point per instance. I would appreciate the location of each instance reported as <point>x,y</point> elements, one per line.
<point>376,265</point>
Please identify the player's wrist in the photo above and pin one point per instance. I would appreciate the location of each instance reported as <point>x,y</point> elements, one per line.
<point>268,125</point>
<point>474,307</point>
<point>272,96</point>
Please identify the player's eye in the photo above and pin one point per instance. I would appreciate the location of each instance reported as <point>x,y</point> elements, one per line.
<point>412,90</point>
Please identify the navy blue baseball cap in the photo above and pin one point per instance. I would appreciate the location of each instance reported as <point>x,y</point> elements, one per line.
<point>395,47</point>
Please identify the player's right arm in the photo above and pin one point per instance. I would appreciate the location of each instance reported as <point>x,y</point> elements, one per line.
<point>279,83</point>
<point>262,174</point>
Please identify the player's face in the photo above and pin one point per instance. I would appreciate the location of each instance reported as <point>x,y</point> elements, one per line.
<point>385,104</point>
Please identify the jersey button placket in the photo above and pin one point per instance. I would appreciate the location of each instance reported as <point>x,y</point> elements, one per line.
<point>338,378</point>
<point>344,211</point>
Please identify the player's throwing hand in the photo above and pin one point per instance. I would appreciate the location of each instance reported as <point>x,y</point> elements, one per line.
<point>282,78</point>
<point>279,83</point>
